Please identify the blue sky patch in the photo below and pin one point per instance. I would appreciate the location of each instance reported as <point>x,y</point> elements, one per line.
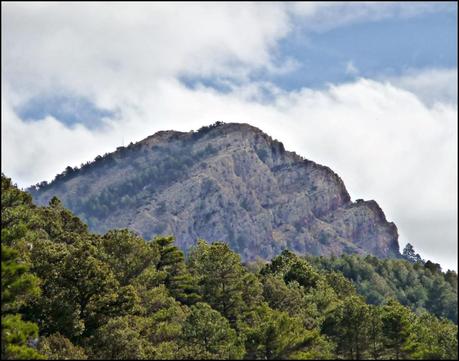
<point>388,47</point>
<point>371,49</point>
<point>67,109</point>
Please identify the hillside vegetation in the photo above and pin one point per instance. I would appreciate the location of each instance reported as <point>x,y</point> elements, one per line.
<point>68,293</point>
<point>416,285</point>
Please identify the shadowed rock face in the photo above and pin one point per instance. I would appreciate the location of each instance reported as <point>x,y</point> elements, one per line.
<point>227,182</point>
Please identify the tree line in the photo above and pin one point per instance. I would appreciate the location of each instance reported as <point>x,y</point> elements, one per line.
<point>71,294</point>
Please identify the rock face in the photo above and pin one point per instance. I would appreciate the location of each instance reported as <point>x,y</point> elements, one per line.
<point>227,182</point>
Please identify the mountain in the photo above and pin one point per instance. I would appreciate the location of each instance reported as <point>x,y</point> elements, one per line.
<point>229,182</point>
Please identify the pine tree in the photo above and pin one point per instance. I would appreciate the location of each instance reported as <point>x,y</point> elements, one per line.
<point>397,323</point>
<point>181,284</point>
<point>208,335</point>
<point>17,286</point>
<point>410,255</point>
<point>221,277</point>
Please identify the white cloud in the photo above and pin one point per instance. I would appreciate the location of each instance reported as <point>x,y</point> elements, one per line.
<point>393,140</point>
<point>430,85</point>
<point>105,50</point>
<point>113,51</point>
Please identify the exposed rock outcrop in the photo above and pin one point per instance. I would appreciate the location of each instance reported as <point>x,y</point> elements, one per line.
<point>229,182</point>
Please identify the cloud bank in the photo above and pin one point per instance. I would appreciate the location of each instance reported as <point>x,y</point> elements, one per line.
<point>390,139</point>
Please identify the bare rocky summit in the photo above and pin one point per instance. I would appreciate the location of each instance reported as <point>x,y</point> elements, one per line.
<point>229,182</point>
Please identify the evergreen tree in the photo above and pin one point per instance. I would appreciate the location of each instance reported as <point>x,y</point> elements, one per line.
<point>127,254</point>
<point>375,340</point>
<point>208,336</point>
<point>121,338</point>
<point>410,255</point>
<point>18,285</point>
<point>220,277</point>
<point>432,339</point>
<point>17,338</point>
<point>397,323</point>
<point>347,325</point>
<point>181,284</point>
<point>274,335</point>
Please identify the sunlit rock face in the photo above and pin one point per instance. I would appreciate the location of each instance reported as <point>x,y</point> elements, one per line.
<point>227,182</point>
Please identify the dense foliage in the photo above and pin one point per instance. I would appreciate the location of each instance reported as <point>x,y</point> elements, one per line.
<point>417,285</point>
<point>71,294</point>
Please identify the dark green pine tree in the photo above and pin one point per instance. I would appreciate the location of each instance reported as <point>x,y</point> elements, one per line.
<point>221,277</point>
<point>410,254</point>
<point>17,285</point>
<point>180,283</point>
<point>397,322</point>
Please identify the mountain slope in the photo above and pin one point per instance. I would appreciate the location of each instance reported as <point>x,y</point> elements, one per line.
<point>228,182</point>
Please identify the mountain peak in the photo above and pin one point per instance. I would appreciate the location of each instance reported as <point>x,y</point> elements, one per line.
<point>229,182</point>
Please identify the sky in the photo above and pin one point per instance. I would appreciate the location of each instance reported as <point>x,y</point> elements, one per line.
<point>368,89</point>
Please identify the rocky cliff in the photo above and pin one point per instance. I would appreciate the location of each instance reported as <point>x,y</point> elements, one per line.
<point>229,182</point>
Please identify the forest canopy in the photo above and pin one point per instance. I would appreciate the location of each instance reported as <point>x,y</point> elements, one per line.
<point>70,294</point>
